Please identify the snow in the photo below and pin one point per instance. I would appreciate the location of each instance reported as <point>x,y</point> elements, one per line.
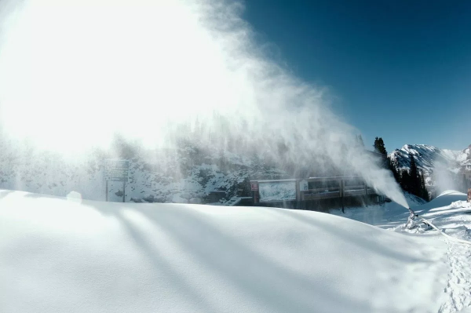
<point>426,157</point>
<point>452,215</point>
<point>67,256</point>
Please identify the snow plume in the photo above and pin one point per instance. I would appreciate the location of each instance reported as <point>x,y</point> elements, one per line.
<point>443,178</point>
<point>73,73</point>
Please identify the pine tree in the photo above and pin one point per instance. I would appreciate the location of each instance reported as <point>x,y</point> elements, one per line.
<point>414,177</point>
<point>395,172</point>
<point>405,181</point>
<point>379,146</point>
<point>381,149</point>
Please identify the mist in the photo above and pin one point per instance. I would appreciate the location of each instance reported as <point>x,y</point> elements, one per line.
<point>444,179</point>
<point>74,74</point>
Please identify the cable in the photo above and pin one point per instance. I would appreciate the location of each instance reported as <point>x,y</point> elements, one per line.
<point>446,235</point>
<point>415,215</point>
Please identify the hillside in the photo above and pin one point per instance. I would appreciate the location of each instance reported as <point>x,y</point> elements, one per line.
<point>442,167</point>
<point>68,256</point>
<point>427,157</point>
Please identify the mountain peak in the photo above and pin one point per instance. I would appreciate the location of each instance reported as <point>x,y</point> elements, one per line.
<point>426,156</point>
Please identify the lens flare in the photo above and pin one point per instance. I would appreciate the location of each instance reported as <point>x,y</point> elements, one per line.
<point>75,73</point>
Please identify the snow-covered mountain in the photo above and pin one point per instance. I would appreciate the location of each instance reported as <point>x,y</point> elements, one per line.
<point>427,157</point>
<point>442,168</point>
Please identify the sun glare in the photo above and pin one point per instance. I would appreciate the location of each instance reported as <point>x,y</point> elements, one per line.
<point>74,72</point>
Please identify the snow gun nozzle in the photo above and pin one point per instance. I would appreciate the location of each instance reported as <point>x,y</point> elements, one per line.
<point>412,212</point>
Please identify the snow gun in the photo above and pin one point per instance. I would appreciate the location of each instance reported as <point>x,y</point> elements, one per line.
<point>412,223</point>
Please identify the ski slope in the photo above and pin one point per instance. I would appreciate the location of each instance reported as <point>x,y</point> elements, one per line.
<point>452,215</point>
<point>59,255</point>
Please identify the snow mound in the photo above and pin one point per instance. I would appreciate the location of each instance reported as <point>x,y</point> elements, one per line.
<point>63,256</point>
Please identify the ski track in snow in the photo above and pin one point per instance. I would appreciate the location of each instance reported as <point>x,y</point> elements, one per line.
<point>458,288</point>
<point>450,218</point>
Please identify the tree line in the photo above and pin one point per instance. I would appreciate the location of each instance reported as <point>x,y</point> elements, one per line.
<point>412,180</point>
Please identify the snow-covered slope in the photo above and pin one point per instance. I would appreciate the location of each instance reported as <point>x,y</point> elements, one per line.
<point>452,215</point>
<point>63,256</point>
<point>442,168</point>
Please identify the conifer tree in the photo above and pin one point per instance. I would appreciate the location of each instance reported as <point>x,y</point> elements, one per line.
<point>379,146</point>
<point>381,149</point>
<point>405,180</point>
<point>395,172</point>
<point>414,177</point>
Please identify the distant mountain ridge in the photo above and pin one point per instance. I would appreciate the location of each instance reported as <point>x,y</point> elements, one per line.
<point>433,162</point>
<point>426,157</point>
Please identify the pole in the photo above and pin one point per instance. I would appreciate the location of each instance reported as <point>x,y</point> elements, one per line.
<point>124,191</point>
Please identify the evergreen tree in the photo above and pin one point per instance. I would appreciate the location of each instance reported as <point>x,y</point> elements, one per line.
<point>381,149</point>
<point>414,181</point>
<point>414,177</point>
<point>379,146</point>
<point>395,172</point>
<point>405,181</point>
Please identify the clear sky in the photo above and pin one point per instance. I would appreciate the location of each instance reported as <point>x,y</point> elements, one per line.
<point>400,70</point>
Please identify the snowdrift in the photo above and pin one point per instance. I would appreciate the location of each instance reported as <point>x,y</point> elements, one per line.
<point>70,256</point>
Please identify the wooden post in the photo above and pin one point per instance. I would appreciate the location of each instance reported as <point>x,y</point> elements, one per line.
<point>469,195</point>
<point>298,194</point>
<point>254,189</point>
<point>124,191</point>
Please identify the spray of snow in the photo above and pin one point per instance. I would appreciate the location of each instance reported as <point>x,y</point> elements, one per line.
<point>75,73</point>
<point>444,179</point>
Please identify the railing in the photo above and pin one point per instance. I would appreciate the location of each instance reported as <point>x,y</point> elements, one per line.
<point>319,188</point>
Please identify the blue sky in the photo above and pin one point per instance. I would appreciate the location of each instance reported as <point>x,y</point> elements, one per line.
<point>400,70</point>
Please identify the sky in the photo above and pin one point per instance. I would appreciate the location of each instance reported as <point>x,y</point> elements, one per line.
<point>400,70</point>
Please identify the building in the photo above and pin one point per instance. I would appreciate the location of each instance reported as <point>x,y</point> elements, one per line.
<point>314,193</point>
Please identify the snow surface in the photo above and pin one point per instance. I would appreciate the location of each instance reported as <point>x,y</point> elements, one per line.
<point>67,256</point>
<point>452,215</point>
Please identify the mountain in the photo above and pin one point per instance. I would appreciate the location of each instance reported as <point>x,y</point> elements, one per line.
<point>426,157</point>
<point>441,167</point>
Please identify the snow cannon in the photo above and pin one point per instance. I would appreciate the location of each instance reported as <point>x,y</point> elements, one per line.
<point>412,212</point>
